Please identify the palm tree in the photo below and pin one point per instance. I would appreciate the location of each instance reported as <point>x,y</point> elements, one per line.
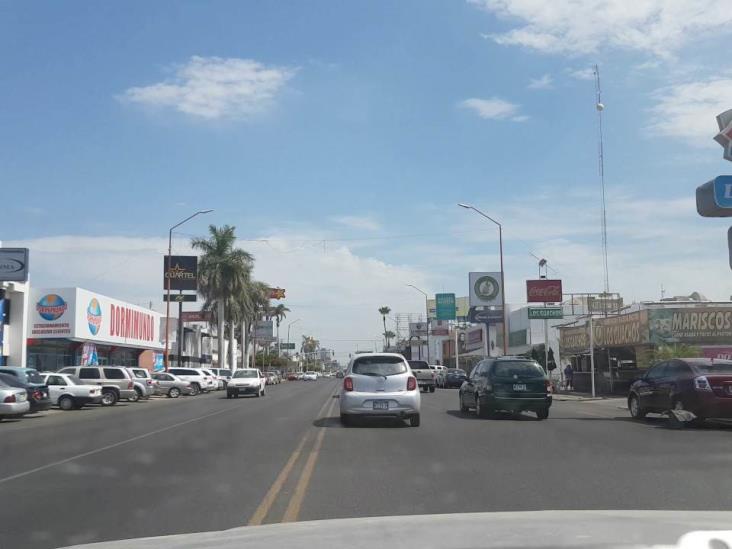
<point>279,313</point>
<point>251,304</point>
<point>388,334</point>
<point>383,311</point>
<point>668,352</point>
<point>224,274</point>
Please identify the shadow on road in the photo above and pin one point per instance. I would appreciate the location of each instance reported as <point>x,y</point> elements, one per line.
<point>497,416</point>
<point>335,422</point>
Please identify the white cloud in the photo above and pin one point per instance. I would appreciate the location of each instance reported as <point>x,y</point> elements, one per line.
<point>658,27</point>
<point>544,82</point>
<point>688,110</point>
<point>587,73</point>
<point>494,108</point>
<point>358,222</point>
<point>216,88</point>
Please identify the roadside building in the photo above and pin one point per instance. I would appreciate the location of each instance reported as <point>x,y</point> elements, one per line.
<point>73,326</point>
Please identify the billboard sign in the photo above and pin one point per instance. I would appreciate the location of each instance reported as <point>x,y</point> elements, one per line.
<point>544,291</point>
<point>277,293</point>
<point>445,306</point>
<point>418,329</point>
<point>181,271</point>
<point>604,305</point>
<point>486,315</point>
<point>13,264</point>
<point>439,328</point>
<point>197,316</point>
<point>264,329</point>
<point>719,353</point>
<point>473,339</point>
<point>485,289</point>
<point>693,325</point>
<point>542,313</point>
<point>287,346</point>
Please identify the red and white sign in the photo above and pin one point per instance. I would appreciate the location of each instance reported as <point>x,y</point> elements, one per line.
<point>196,316</point>
<point>544,291</point>
<point>722,353</point>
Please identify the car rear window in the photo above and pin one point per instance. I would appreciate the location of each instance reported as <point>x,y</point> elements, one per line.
<point>224,372</point>
<point>456,371</point>
<point>519,369</point>
<point>11,380</point>
<point>113,373</point>
<point>379,366</point>
<point>142,374</point>
<point>418,365</point>
<point>89,373</point>
<point>184,372</point>
<point>34,377</point>
<point>714,368</point>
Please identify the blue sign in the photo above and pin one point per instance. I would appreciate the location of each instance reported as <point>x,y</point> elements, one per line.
<point>723,191</point>
<point>445,305</point>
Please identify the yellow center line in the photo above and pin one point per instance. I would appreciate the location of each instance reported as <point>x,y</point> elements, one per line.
<point>293,508</point>
<point>264,507</point>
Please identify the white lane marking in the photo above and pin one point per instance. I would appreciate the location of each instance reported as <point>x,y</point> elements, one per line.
<point>110,446</point>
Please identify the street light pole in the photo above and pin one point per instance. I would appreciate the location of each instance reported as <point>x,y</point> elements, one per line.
<point>167,285</point>
<point>503,279</point>
<point>288,332</point>
<point>427,316</point>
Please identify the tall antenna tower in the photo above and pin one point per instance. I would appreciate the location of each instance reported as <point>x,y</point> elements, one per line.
<point>601,163</point>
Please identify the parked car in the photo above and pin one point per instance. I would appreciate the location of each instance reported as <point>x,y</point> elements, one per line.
<point>454,377</point>
<point>171,385</point>
<point>13,401</point>
<point>247,381</point>
<point>702,386</point>
<point>424,374</point>
<point>199,380</point>
<point>511,384</point>
<point>116,382</point>
<point>310,376</point>
<point>144,384</point>
<point>36,391</point>
<point>292,376</point>
<point>270,378</point>
<point>68,392</point>
<point>223,375</point>
<point>30,376</point>
<point>379,384</point>
<point>340,374</point>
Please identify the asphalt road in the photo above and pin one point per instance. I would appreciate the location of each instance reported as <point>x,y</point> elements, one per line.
<point>208,463</point>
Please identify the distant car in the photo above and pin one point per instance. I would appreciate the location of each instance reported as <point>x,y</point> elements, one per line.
<point>310,376</point>
<point>379,384</point>
<point>424,374</point>
<point>507,384</point>
<point>171,385</point>
<point>199,380</point>
<point>454,377</point>
<point>271,378</point>
<point>143,382</point>
<point>702,386</point>
<point>247,381</point>
<point>13,401</point>
<point>339,374</point>
<point>37,392</point>
<point>68,392</point>
<point>292,376</point>
<point>223,374</point>
<point>116,382</point>
<point>214,383</point>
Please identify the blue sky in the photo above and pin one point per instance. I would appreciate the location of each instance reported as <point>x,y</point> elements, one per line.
<point>362,121</point>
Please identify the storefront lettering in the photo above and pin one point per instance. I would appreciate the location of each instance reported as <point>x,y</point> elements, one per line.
<point>703,321</point>
<point>131,324</point>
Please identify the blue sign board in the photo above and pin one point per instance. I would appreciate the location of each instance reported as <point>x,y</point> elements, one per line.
<point>723,191</point>
<point>445,304</point>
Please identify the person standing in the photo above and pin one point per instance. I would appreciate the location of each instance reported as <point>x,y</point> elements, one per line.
<point>569,377</point>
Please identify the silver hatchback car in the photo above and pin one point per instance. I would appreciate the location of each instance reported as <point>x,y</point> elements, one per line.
<point>380,385</point>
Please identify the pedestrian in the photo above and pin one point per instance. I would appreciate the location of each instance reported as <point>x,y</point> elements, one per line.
<point>569,377</point>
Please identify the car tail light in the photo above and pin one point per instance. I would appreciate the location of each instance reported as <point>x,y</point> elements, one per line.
<point>92,391</point>
<point>411,383</point>
<point>548,385</point>
<point>701,383</point>
<point>348,384</point>
<point>37,395</point>
<point>10,398</point>
<point>149,382</point>
<point>130,385</point>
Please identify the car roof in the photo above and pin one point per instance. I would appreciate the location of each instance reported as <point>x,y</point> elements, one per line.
<point>19,368</point>
<point>705,361</point>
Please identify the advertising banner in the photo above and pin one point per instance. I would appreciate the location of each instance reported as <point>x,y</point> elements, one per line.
<point>541,313</point>
<point>473,339</point>
<point>544,291</point>
<point>622,330</point>
<point>181,271</point>
<point>418,329</point>
<point>721,353</point>
<point>13,264</point>
<point>82,315</point>
<point>196,316</point>
<point>574,339</point>
<point>264,330</point>
<point>603,305</point>
<point>445,306</point>
<point>692,325</point>
<point>439,328</point>
<point>485,289</point>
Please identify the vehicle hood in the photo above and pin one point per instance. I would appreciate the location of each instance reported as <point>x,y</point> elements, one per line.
<point>539,529</point>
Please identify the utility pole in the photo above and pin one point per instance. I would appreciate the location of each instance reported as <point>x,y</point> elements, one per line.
<point>599,106</point>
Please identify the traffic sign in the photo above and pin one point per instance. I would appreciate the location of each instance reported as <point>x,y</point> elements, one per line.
<point>485,316</point>
<point>542,313</point>
<point>287,346</point>
<point>445,306</point>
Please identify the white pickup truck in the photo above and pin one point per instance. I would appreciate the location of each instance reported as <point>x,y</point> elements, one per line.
<point>424,374</point>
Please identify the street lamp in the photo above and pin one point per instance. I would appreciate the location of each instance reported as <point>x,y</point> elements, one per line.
<point>427,316</point>
<point>288,331</point>
<point>503,285</point>
<point>167,284</point>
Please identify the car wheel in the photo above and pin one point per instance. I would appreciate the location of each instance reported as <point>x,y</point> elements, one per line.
<point>195,389</point>
<point>174,392</point>
<point>66,403</point>
<point>228,394</point>
<point>135,397</point>
<point>463,409</point>
<point>480,410</point>
<point>414,420</point>
<point>432,388</point>
<point>542,414</point>
<point>139,393</point>
<point>264,392</point>
<point>346,420</point>
<point>109,398</point>
<point>634,406</point>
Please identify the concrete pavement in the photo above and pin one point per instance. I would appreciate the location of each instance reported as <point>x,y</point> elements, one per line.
<point>207,463</point>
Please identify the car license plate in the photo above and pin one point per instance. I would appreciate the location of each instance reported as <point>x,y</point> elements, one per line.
<point>381,404</point>
<point>519,386</point>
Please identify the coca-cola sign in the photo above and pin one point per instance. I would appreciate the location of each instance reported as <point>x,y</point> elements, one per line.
<point>544,291</point>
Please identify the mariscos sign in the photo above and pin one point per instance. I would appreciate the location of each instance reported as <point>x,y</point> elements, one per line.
<point>543,291</point>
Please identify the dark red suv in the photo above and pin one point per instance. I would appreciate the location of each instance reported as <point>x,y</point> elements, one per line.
<point>702,386</point>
